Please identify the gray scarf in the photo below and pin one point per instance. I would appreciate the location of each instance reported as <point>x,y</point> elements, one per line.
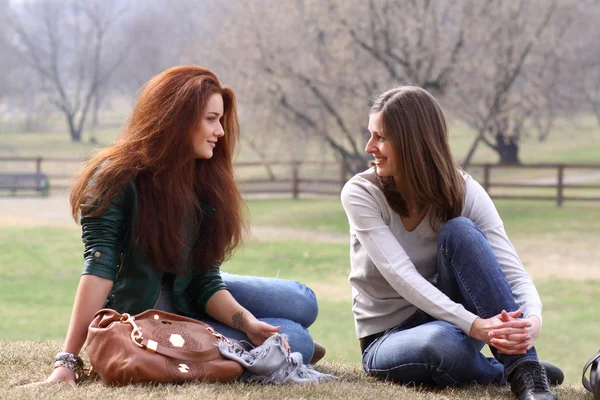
<point>271,362</point>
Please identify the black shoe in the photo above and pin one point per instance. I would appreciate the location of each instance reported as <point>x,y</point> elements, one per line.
<point>554,374</point>
<point>529,382</point>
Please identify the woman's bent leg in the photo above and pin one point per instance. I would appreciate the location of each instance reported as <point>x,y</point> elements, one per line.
<point>274,298</point>
<point>469,273</point>
<point>279,302</point>
<point>435,353</point>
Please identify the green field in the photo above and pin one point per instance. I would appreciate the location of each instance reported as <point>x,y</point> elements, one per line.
<point>40,269</point>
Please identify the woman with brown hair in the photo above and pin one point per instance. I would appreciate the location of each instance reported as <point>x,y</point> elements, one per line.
<point>160,211</point>
<point>434,275</point>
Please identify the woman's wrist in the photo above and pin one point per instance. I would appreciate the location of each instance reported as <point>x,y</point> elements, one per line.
<point>70,361</point>
<point>244,321</point>
<point>240,321</point>
<point>473,332</point>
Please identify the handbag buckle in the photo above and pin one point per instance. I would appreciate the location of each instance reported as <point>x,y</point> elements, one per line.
<point>136,333</point>
<point>219,336</point>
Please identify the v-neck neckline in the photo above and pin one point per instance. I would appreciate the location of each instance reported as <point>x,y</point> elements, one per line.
<point>416,228</point>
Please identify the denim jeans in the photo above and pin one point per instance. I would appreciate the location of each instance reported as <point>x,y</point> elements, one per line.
<point>279,302</point>
<point>423,350</point>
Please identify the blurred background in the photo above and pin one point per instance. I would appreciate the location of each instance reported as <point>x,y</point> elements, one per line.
<point>519,81</point>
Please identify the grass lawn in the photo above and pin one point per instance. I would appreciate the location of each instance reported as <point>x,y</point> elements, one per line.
<point>322,215</point>
<point>40,269</point>
<point>520,217</point>
<point>22,362</point>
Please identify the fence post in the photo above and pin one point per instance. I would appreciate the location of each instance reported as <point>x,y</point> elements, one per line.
<point>295,179</point>
<point>486,177</point>
<point>559,195</point>
<point>38,165</point>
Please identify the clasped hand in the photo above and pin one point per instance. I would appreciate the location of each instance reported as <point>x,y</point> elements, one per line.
<point>508,333</point>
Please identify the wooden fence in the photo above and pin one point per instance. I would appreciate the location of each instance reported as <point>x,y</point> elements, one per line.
<point>328,177</point>
<point>323,177</point>
<point>559,185</point>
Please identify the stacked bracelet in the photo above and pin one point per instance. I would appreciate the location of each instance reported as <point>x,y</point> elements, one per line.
<point>71,361</point>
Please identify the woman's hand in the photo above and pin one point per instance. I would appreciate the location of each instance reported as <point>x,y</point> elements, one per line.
<point>505,322</point>
<point>507,338</point>
<point>59,375</point>
<point>259,331</point>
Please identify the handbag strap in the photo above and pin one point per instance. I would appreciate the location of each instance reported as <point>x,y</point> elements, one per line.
<point>584,379</point>
<point>207,355</point>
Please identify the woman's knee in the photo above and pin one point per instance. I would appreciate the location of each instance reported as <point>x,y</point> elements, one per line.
<point>305,303</point>
<point>274,298</point>
<point>458,226</point>
<point>460,231</point>
<point>300,301</point>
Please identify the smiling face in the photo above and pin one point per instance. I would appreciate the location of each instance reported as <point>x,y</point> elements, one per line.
<point>380,147</point>
<point>209,130</point>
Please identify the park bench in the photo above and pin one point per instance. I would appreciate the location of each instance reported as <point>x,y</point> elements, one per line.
<point>14,181</point>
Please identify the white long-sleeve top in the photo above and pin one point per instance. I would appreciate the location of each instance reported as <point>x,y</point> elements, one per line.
<point>393,271</point>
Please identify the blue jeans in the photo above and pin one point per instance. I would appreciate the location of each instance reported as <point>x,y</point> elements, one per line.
<point>426,351</point>
<point>279,302</point>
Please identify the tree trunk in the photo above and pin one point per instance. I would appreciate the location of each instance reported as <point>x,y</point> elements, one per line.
<point>263,157</point>
<point>30,120</point>
<point>95,109</point>
<point>507,149</point>
<point>73,131</point>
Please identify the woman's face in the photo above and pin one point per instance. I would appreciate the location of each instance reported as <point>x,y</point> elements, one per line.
<point>380,147</point>
<point>206,135</point>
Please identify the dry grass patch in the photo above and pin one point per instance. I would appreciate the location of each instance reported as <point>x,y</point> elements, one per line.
<point>22,362</point>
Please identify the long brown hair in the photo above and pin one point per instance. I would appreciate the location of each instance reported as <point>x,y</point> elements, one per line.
<point>156,150</point>
<point>412,120</point>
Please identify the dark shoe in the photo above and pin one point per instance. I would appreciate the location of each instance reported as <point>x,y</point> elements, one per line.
<point>529,382</point>
<point>318,354</point>
<point>554,374</point>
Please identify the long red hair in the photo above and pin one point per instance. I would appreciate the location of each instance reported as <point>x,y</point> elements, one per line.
<point>155,149</point>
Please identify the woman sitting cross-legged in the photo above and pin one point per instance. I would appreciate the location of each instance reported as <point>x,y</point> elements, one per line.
<point>434,275</point>
<point>159,211</point>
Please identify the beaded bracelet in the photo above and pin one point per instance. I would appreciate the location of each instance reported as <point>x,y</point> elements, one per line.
<point>70,361</point>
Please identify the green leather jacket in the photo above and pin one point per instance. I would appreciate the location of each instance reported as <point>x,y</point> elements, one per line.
<point>110,252</point>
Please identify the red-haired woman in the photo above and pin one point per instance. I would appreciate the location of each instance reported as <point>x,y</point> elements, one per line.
<point>160,210</point>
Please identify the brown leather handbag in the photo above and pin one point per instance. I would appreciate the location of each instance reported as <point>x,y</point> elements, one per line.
<point>156,346</point>
<point>593,384</point>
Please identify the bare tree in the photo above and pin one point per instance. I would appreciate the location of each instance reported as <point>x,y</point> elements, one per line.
<point>7,61</point>
<point>496,65</point>
<point>337,55</point>
<point>65,44</point>
<point>587,51</point>
<point>511,80</point>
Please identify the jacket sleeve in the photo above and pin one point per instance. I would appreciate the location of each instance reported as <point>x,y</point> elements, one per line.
<point>203,286</point>
<point>102,236</point>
